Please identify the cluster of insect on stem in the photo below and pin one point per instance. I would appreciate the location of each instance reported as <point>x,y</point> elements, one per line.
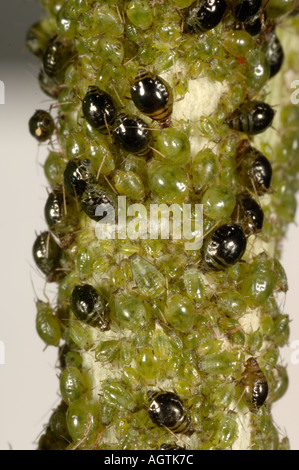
<point>160,348</point>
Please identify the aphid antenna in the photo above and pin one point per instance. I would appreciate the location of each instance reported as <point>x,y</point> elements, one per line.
<point>81,99</point>
<point>240,398</point>
<point>234,330</point>
<point>33,287</point>
<point>58,105</point>
<point>254,188</point>
<point>44,427</point>
<point>118,97</point>
<point>130,60</point>
<point>166,325</point>
<point>97,442</point>
<point>157,151</point>
<point>33,68</point>
<point>121,17</point>
<point>108,129</point>
<point>110,184</point>
<point>45,293</point>
<point>169,431</point>
<point>47,101</point>
<point>100,167</point>
<point>281,307</point>
<point>64,200</point>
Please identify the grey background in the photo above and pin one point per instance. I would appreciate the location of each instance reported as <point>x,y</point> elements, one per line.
<point>28,381</point>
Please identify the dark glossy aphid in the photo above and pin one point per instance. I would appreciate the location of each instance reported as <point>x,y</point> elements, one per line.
<point>152,96</point>
<point>274,54</point>
<point>89,307</point>
<point>77,175</point>
<point>132,134</point>
<point>54,208</point>
<point>97,203</point>
<point>41,125</point>
<point>56,58</point>
<point>167,410</point>
<point>98,108</point>
<point>224,247</point>
<point>248,213</point>
<point>252,117</point>
<point>46,254</point>
<point>205,16</point>
<point>254,169</point>
<point>255,385</point>
<point>61,215</point>
<point>244,10</point>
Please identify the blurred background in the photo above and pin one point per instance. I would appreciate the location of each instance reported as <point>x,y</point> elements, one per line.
<point>28,379</point>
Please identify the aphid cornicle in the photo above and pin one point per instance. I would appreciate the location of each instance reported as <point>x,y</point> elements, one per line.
<point>88,306</point>
<point>248,213</point>
<point>166,409</point>
<point>224,247</point>
<point>252,117</point>
<point>254,169</point>
<point>205,16</point>
<point>255,385</point>
<point>152,96</point>
<point>244,10</point>
<point>41,125</point>
<point>98,108</point>
<point>132,134</point>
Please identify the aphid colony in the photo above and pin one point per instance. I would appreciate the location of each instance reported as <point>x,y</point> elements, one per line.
<point>160,314</point>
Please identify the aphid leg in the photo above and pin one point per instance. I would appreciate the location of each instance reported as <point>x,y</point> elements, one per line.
<point>100,167</point>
